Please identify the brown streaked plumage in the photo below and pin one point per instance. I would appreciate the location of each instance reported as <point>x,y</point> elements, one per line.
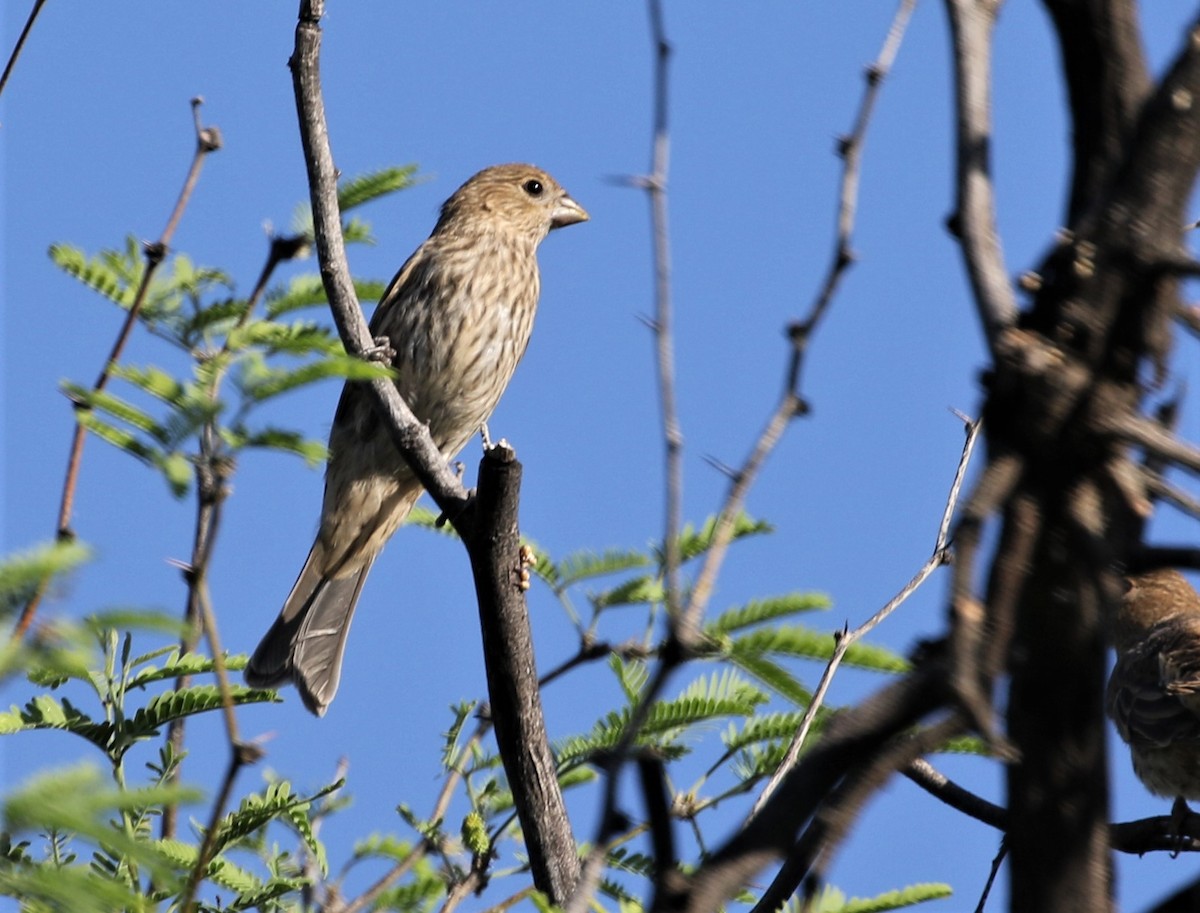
<point>1154,689</point>
<point>458,317</point>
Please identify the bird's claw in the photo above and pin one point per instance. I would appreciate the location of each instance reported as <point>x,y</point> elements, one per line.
<point>381,351</point>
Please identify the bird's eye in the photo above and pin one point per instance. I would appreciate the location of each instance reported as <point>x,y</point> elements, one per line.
<point>533,187</point>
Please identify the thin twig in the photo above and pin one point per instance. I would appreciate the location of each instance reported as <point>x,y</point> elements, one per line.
<point>846,638</point>
<point>208,139</point>
<point>655,185</point>
<point>992,873</point>
<point>16,52</point>
<point>941,787</point>
<point>508,902</point>
<point>213,489</point>
<point>367,899</point>
<point>1157,441</point>
<point>453,777</point>
<point>207,505</point>
<point>800,333</point>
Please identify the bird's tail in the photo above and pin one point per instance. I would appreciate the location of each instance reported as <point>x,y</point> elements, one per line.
<point>308,639</point>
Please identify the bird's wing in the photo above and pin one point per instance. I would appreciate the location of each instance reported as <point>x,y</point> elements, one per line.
<point>1154,691</point>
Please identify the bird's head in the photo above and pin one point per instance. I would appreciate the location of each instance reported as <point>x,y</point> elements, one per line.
<point>520,199</point>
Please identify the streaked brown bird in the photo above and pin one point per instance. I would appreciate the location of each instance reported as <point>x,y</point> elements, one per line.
<point>457,317</point>
<point>1154,689</point>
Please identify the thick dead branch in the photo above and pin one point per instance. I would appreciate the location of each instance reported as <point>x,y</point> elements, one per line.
<point>512,678</point>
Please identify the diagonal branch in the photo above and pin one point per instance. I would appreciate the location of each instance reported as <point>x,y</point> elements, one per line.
<point>856,740</point>
<point>21,39</point>
<point>846,639</point>
<point>208,139</point>
<point>800,333</point>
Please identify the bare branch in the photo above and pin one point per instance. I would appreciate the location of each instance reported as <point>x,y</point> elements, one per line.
<point>974,219</point>
<point>512,678</point>
<point>846,639</point>
<point>997,861</point>
<point>800,333</point>
<point>655,186</point>
<point>208,139</point>
<point>938,785</point>
<point>810,857</point>
<point>1155,440</point>
<point>16,52</point>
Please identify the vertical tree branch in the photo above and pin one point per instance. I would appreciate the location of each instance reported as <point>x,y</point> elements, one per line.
<point>1074,371</point>
<point>974,219</point>
<point>656,188</point>
<point>410,436</point>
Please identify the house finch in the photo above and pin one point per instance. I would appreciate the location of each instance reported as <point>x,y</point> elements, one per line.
<point>1154,690</point>
<point>457,318</point>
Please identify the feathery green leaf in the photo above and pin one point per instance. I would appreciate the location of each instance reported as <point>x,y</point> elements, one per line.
<point>98,273</point>
<point>583,565</point>
<point>771,608</point>
<point>374,184</point>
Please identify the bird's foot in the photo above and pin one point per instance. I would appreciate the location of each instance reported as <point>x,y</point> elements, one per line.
<point>381,351</point>
<point>1179,815</point>
<point>528,559</point>
<point>487,437</point>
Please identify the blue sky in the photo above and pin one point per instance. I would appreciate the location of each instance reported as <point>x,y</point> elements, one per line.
<point>96,135</point>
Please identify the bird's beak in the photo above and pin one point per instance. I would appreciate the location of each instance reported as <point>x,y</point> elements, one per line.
<point>567,212</point>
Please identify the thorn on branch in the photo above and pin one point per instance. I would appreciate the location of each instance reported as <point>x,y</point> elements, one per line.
<point>208,139</point>
<point>186,569</point>
<point>724,468</point>
<point>467,505</point>
<point>636,181</point>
